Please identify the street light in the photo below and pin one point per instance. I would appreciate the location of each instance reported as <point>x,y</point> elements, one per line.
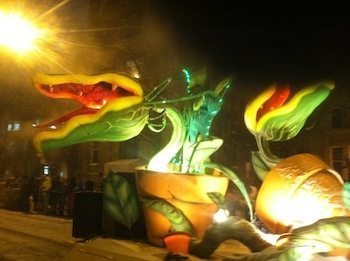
<point>17,33</point>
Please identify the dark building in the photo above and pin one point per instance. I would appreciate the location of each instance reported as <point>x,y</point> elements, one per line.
<point>325,134</point>
<point>139,39</point>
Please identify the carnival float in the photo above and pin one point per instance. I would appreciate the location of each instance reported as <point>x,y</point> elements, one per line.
<point>182,191</point>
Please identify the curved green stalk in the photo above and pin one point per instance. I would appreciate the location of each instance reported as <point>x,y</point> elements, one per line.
<point>263,146</point>
<point>161,160</point>
<point>171,101</point>
<point>235,179</point>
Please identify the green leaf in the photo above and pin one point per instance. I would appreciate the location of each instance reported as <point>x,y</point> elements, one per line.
<point>325,235</point>
<point>198,78</point>
<point>222,87</point>
<point>200,116</point>
<point>176,217</point>
<point>200,151</point>
<point>237,181</point>
<point>120,200</point>
<point>260,166</point>
<point>346,194</point>
<point>218,199</point>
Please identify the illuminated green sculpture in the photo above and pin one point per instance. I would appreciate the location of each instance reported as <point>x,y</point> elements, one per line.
<point>300,195</point>
<point>115,109</point>
<point>323,228</point>
<point>111,109</point>
<point>269,118</point>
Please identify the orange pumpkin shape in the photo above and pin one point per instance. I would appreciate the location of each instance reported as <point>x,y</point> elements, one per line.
<point>298,191</point>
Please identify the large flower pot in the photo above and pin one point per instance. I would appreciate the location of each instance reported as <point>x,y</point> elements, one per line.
<point>298,191</point>
<point>186,192</point>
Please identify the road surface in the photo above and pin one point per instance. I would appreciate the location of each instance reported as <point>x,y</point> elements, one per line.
<point>33,237</point>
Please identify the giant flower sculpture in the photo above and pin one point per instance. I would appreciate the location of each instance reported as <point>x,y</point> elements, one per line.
<point>301,198</point>
<point>110,109</point>
<point>272,117</point>
<point>114,109</point>
<point>299,194</point>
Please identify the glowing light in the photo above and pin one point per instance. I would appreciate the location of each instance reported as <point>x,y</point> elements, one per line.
<point>271,238</point>
<point>17,34</point>
<point>297,213</point>
<point>221,215</point>
<point>159,162</point>
<point>187,75</point>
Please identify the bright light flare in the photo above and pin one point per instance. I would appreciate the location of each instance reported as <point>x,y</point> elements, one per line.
<point>221,215</point>
<point>18,34</point>
<point>271,238</point>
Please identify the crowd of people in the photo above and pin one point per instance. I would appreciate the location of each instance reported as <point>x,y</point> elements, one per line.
<point>48,195</point>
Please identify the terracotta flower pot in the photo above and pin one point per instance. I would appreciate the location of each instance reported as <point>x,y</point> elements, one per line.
<point>299,191</point>
<point>186,192</point>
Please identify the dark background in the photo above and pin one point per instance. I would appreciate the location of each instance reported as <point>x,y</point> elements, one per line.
<point>257,43</point>
<point>281,42</point>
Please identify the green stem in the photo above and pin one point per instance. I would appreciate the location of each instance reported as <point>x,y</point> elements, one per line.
<point>269,158</point>
<point>170,101</point>
<point>236,181</point>
<point>189,169</point>
<point>157,90</point>
<point>161,160</point>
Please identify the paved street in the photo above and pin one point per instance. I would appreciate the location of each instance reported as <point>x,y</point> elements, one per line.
<point>32,237</point>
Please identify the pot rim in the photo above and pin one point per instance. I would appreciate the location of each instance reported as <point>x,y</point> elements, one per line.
<point>143,168</point>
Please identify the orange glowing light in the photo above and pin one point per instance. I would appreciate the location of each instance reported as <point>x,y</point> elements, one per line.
<point>297,192</point>
<point>17,33</point>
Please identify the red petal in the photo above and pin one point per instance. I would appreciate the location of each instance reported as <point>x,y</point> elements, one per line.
<point>83,110</point>
<point>276,100</point>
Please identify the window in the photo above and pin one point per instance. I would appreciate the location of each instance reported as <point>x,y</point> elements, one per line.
<point>46,170</point>
<point>13,126</point>
<point>338,156</point>
<point>94,154</point>
<point>16,126</point>
<point>336,119</point>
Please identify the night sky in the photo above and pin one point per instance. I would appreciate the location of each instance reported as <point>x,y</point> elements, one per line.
<point>258,44</point>
<point>290,42</point>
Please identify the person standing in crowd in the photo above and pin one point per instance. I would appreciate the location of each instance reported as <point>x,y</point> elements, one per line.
<point>89,185</point>
<point>53,195</point>
<point>31,190</point>
<point>71,189</point>
<point>100,183</point>
<point>25,192</point>
<point>36,195</point>
<point>60,197</point>
<point>45,189</point>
